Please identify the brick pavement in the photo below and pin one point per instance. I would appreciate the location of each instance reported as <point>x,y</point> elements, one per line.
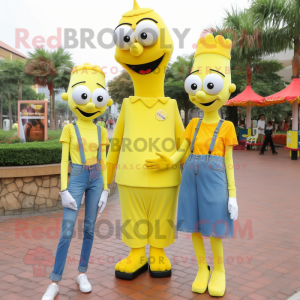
<point>262,262</point>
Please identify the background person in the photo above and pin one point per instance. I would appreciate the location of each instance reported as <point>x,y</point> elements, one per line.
<point>111,123</point>
<point>261,129</point>
<point>268,139</point>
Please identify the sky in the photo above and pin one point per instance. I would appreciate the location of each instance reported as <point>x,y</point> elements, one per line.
<point>33,18</point>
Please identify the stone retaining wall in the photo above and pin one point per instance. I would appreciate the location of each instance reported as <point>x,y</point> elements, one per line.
<point>29,194</point>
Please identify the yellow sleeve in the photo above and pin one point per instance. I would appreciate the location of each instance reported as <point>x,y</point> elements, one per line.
<point>230,171</point>
<point>64,167</point>
<point>179,130</point>
<point>104,143</point>
<point>116,141</point>
<point>180,153</point>
<point>231,139</point>
<point>66,134</point>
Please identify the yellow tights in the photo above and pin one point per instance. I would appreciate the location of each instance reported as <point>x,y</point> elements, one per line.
<point>217,283</point>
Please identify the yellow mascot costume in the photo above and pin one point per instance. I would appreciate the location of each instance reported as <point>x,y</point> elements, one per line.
<point>148,122</point>
<point>86,144</point>
<point>207,199</point>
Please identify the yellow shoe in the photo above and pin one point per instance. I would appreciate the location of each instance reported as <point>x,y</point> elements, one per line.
<point>201,281</point>
<point>133,265</point>
<point>217,284</point>
<point>160,265</point>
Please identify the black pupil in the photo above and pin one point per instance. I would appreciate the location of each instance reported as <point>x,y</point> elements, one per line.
<point>144,35</point>
<point>126,38</point>
<point>194,86</point>
<point>210,85</point>
<point>99,98</point>
<point>84,96</point>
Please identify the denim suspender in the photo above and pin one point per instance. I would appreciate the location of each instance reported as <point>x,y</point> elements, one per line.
<point>195,134</point>
<point>213,140</point>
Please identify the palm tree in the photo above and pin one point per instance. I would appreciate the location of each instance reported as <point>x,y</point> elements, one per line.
<point>284,16</point>
<point>61,60</point>
<point>252,42</point>
<point>13,70</point>
<point>12,75</point>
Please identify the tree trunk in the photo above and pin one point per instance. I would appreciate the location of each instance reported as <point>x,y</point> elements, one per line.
<point>9,111</point>
<point>52,112</point>
<point>1,113</point>
<point>186,113</point>
<point>20,90</point>
<point>232,114</point>
<point>70,116</point>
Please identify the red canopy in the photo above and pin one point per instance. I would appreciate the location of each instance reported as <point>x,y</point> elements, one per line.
<point>247,96</point>
<point>290,94</point>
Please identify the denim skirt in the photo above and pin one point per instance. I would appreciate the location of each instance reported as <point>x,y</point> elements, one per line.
<point>203,197</point>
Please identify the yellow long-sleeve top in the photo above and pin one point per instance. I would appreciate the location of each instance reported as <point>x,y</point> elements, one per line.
<point>89,135</point>
<point>223,147</point>
<point>145,126</point>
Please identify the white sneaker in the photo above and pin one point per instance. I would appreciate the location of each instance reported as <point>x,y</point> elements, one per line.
<point>51,292</point>
<point>84,284</point>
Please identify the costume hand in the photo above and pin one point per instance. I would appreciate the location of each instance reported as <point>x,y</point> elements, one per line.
<point>233,208</point>
<point>161,163</point>
<point>67,200</point>
<point>103,201</point>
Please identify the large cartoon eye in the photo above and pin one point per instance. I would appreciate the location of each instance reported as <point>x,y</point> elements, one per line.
<point>193,84</point>
<point>146,33</point>
<point>81,95</point>
<point>100,97</point>
<point>213,84</point>
<point>124,37</point>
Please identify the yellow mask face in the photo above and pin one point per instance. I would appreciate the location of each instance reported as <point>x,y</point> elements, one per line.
<point>87,96</point>
<point>209,84</point>
<point>143,45</point>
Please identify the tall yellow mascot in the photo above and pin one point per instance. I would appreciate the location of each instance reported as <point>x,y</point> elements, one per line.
<point>148,122</point>
<point>207,198</point>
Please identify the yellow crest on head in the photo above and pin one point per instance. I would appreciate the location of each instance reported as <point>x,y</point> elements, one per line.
<point>137,10</point>
<point>214,45</point>
<point>87,66</point>
<point>135,5</point>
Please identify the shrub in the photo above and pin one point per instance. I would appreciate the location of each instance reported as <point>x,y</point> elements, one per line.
<point>36,153</point>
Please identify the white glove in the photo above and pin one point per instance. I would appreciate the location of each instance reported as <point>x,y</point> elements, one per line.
<point>103,201</point>
<point>67,200</point>
<point>233,208</point>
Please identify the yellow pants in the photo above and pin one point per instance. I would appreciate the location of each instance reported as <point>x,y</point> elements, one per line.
<point>148,216</point>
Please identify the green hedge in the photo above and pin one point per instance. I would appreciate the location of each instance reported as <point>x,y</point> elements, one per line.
<point>36,153</point>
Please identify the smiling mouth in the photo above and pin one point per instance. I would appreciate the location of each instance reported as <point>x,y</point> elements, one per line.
<point>145,69</point>
<point>85,114</point>
<point>209,103</point>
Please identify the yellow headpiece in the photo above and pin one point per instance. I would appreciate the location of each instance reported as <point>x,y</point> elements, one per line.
<point>214,45</point>
<point>87,66</point>
<point>136,11</point>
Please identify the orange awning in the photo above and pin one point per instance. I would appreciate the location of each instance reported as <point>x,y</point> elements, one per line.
<point>290,94</point>
<point>247,96</point>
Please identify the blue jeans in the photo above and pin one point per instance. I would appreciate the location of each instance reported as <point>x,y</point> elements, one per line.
<point>86,179</point>
<point>203,197</point>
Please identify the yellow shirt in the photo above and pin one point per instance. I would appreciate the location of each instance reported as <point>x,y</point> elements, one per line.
<point>89,134</point>
<point>146,126</point>
<point>226,137</point>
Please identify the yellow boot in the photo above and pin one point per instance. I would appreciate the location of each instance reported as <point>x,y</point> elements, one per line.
<point>201,281</point>
<point>133,265</point>
<point>217,284</point>
<point>160,265</point>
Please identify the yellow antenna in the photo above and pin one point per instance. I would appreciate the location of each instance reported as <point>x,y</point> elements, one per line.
<point>135,5</point>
